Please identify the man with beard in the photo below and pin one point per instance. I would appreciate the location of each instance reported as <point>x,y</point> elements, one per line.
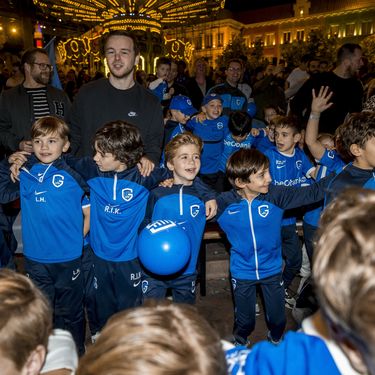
<point>29,101</point>
<point>342,81</point>
<point>20,107</point>
<point>119,97</point>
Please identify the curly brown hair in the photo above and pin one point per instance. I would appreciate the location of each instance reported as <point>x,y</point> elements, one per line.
<point>122,140</point>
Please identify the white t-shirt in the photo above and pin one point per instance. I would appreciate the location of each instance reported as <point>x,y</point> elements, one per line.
<point>62,353</point>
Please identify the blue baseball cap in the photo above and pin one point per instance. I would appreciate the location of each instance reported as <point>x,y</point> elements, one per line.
<point>210,97</point>
<point>182,103</point>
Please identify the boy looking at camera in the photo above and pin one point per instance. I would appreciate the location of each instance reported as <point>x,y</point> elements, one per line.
<point>289,166</point>
<point>183,203</point>
<point>51,195</point>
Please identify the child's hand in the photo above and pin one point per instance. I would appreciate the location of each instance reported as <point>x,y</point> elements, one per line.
<point>201,116</point>
<point>255,132</point>
<point>145,166</point>
<point>320,102</point>
<point>167,183</point>
<point>15,172</point>
<point>19,157</point>
<point>17,160</point>
<point>211,209</point>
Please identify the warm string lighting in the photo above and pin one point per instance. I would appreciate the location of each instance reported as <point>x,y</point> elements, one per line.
<point>147,15</point>
<point>178,50</point>
<point>80,50</point>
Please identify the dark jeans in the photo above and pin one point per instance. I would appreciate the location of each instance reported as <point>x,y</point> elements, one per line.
<point>63,284</point>
<point>183,288</point>
<point>244,292</point>
<point>292,253</point>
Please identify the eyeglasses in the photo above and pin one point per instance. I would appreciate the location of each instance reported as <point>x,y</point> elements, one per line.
<point>43,66</point>
<point>234,69</point>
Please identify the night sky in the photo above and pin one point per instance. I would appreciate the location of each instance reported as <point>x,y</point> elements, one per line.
<point>238,5</point>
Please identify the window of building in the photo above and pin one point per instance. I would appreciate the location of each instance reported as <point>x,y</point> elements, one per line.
<point>367,27</point>
<point>199,42</point>
<point>208,41</point>
<point>334,30</point>
<point>300,34</point>
<point>286,37</point>
<point>220,39</point>
<point>269,39</point>
<point>258,38</point>
<point>349,29</point>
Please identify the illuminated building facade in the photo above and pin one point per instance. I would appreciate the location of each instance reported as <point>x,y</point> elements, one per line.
<point>350,21</point>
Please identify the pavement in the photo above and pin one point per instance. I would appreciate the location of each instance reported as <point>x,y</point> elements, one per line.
<point>217,305</point>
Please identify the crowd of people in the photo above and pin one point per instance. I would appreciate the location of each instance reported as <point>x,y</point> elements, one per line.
<point>93,167</point>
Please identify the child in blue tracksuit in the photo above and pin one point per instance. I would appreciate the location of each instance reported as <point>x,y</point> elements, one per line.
<point>212,130</point>
<point>251,216</point>
<point>51,196</point>
<point>355,142</point>
<point>241,135</point>
<point>181,109</point>
<point>358,129</point>
<point>289,166</point>
<point>184,204</point>
<point>159,87</point>
<point>267,141</point>
<point>118,197</point>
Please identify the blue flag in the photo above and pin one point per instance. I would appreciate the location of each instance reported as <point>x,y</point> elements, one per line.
<point>50,48</point>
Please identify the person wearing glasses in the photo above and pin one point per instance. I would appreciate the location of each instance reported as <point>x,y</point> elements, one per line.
<point>22,105</point>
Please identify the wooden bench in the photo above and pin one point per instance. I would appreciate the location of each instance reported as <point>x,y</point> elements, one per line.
<point>212,232</point>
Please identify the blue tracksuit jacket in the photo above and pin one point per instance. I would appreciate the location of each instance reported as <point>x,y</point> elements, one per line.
<point>253,227</point>
<point>185,206</point>
<point>212,133</point>
<point>51,204</point>
<point>118,205</point>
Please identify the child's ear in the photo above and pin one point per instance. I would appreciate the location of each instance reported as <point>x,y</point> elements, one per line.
<point>204,109</point>
<point>297,137</point>
<point>240,184</point>
<point>170,166</point>
<point>355,150</point>
<point>66,146</point>
<point>35,361</point>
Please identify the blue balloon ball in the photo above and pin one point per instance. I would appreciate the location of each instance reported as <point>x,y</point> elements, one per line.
<point>163,247</point>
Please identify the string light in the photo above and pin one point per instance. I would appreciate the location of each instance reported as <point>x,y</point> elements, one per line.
<point>146,15</point>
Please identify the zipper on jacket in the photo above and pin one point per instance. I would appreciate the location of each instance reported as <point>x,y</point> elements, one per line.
<point>253,237</point>
<point>38,178</point>
<point>181,201</point>
<point>115,187</point>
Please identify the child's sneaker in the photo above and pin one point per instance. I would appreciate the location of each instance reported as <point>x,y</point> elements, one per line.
<point>237,343</point>
<point>289,300</point>
<point>271,340</point>
<point>95,337</point>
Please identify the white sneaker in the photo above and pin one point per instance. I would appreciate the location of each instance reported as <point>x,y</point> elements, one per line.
<point>289,300</point>
<point>257,309</point>
<point>95,337</point>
